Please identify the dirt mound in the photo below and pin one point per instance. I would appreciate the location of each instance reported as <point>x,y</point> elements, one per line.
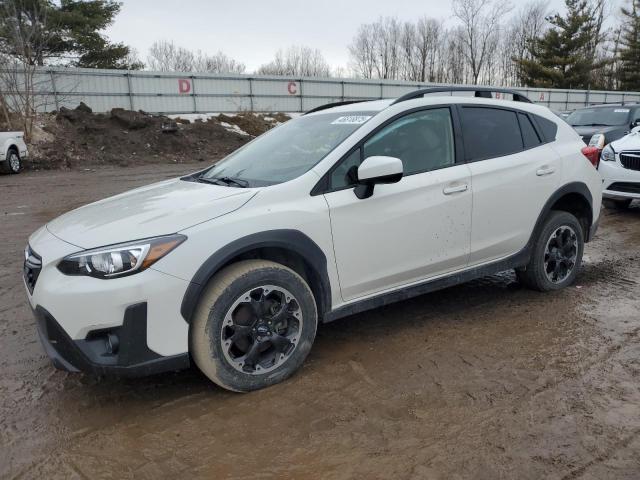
<point>253,124</point>
<point>80,138</point>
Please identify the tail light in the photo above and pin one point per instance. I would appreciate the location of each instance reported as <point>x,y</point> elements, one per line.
<point>592,154</point>
<point>594,149</point>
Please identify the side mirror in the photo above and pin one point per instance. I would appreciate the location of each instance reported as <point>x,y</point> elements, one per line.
<point>377,170</point>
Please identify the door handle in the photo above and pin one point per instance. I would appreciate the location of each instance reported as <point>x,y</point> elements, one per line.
<point>541,172</point>
<point>455,188</point>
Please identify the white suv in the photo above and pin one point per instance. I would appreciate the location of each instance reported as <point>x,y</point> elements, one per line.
<point>344,209</point>
<point>620,170</point>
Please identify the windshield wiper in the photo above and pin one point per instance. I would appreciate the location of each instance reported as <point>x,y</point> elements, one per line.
<point>592,125</point>
<point>224,181</point>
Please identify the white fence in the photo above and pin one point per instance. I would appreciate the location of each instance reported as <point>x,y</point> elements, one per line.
<point>156,92</point>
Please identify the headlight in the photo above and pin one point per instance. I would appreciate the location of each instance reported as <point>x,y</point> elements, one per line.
<point>608,155</point>
<point>119,260</point>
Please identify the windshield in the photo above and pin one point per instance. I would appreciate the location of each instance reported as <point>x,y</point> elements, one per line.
<point>287,151</point>
<point>602,116</point>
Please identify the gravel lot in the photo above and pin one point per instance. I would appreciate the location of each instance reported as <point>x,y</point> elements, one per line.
<point>481,381</point>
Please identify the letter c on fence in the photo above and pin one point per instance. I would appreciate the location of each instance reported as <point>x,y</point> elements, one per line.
<point>292,88</point>
<point>184,85</point>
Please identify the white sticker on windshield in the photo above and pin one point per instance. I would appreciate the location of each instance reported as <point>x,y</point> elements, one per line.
<point>621,110</point>
<point>351,120</point>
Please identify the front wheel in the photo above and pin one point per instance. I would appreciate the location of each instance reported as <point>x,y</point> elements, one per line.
<point>557,254</point>
<point>254,325</point>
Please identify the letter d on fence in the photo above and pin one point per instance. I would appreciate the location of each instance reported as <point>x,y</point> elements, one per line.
<point>184,85</point>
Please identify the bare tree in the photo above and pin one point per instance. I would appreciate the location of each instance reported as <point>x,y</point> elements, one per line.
<point>21,51</point>
<point>299,61</point>
<point>480,23</point>
<point>217,63</point>
<point>428,39</point>
<point>528,24</point>
<point>166,56</point>
<point>363,52</point>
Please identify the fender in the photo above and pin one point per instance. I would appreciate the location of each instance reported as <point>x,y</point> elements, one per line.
<point>573,187</point>
<point>292,240</point>
<point>8,145</point>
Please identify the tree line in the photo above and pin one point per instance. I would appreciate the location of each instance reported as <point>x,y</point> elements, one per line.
<point>533,47</point>
<point>487,42</point>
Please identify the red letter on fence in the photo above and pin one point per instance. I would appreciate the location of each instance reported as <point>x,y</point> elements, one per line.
<point>292,88</point>
<point>184,85</point>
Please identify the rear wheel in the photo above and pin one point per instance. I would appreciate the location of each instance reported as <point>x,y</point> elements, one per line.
<point>254,325</point>
<point>12,163</point>
<point>557,254</point>
<point>612,204</point>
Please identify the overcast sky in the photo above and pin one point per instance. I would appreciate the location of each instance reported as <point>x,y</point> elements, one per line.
<point>251,31</point>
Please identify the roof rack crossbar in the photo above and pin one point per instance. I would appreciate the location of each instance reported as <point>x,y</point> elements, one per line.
<point>482,92</point>
<point>331,105</point>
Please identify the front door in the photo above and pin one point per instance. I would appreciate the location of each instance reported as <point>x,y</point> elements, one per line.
<point>409,231</point>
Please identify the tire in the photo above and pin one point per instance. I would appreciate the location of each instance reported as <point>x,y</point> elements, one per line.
<point>562,255</point>
<point>612,204</point>
<point>13,162</point>
<point>237,336</point>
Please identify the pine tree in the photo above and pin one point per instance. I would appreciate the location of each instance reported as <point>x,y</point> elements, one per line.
<point>630,51</point>
<point>67,33</point>
<point>564,56</point>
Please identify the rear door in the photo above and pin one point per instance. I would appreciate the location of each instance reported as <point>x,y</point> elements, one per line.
<point>408,231</point>
<point>514,172</point>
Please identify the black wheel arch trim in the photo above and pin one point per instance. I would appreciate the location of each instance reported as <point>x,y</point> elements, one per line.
<point>569,188</point>
<point>286,239</point>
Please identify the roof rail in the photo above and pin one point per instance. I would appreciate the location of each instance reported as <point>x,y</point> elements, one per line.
<point>336,104</point>
<point>481,92</point>
<point>604,104</point>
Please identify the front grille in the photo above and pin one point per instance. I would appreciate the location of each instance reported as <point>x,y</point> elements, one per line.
<point>32,267</point>
<point>624,187</point>
<point>630,160</point>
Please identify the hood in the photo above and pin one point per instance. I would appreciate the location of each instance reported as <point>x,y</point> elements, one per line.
<point>629,142</point>
<point>610,133</point>
<point>159,209</point>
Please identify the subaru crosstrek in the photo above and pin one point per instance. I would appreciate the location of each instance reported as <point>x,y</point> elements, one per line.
<point>344,209</point>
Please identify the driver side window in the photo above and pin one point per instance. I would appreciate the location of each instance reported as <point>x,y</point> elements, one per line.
<point>422,140</point>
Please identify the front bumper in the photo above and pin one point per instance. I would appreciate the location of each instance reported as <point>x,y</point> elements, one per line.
<point>77,315</point>
<point>618,182</point>
<point>120,351</point>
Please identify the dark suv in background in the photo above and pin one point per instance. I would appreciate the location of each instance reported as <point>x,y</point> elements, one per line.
<point>613,120</point>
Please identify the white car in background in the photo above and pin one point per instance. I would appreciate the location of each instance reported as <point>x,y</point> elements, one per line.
<point>12,151</point>
<point>620,170</point>
<point>347,208</point>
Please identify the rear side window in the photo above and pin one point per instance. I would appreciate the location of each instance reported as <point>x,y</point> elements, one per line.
<point>549,128</point>
<point>529,134</point>
<point>490,132</point>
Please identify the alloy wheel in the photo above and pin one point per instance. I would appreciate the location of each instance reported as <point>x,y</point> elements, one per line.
<point>261,329</point>
<point>14,162</point>
<point>560,254</point>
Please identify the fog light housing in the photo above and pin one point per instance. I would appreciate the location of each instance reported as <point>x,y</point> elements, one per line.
<point>112,344</point>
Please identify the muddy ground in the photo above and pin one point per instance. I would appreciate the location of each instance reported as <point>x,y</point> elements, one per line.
<point>481,381</point>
